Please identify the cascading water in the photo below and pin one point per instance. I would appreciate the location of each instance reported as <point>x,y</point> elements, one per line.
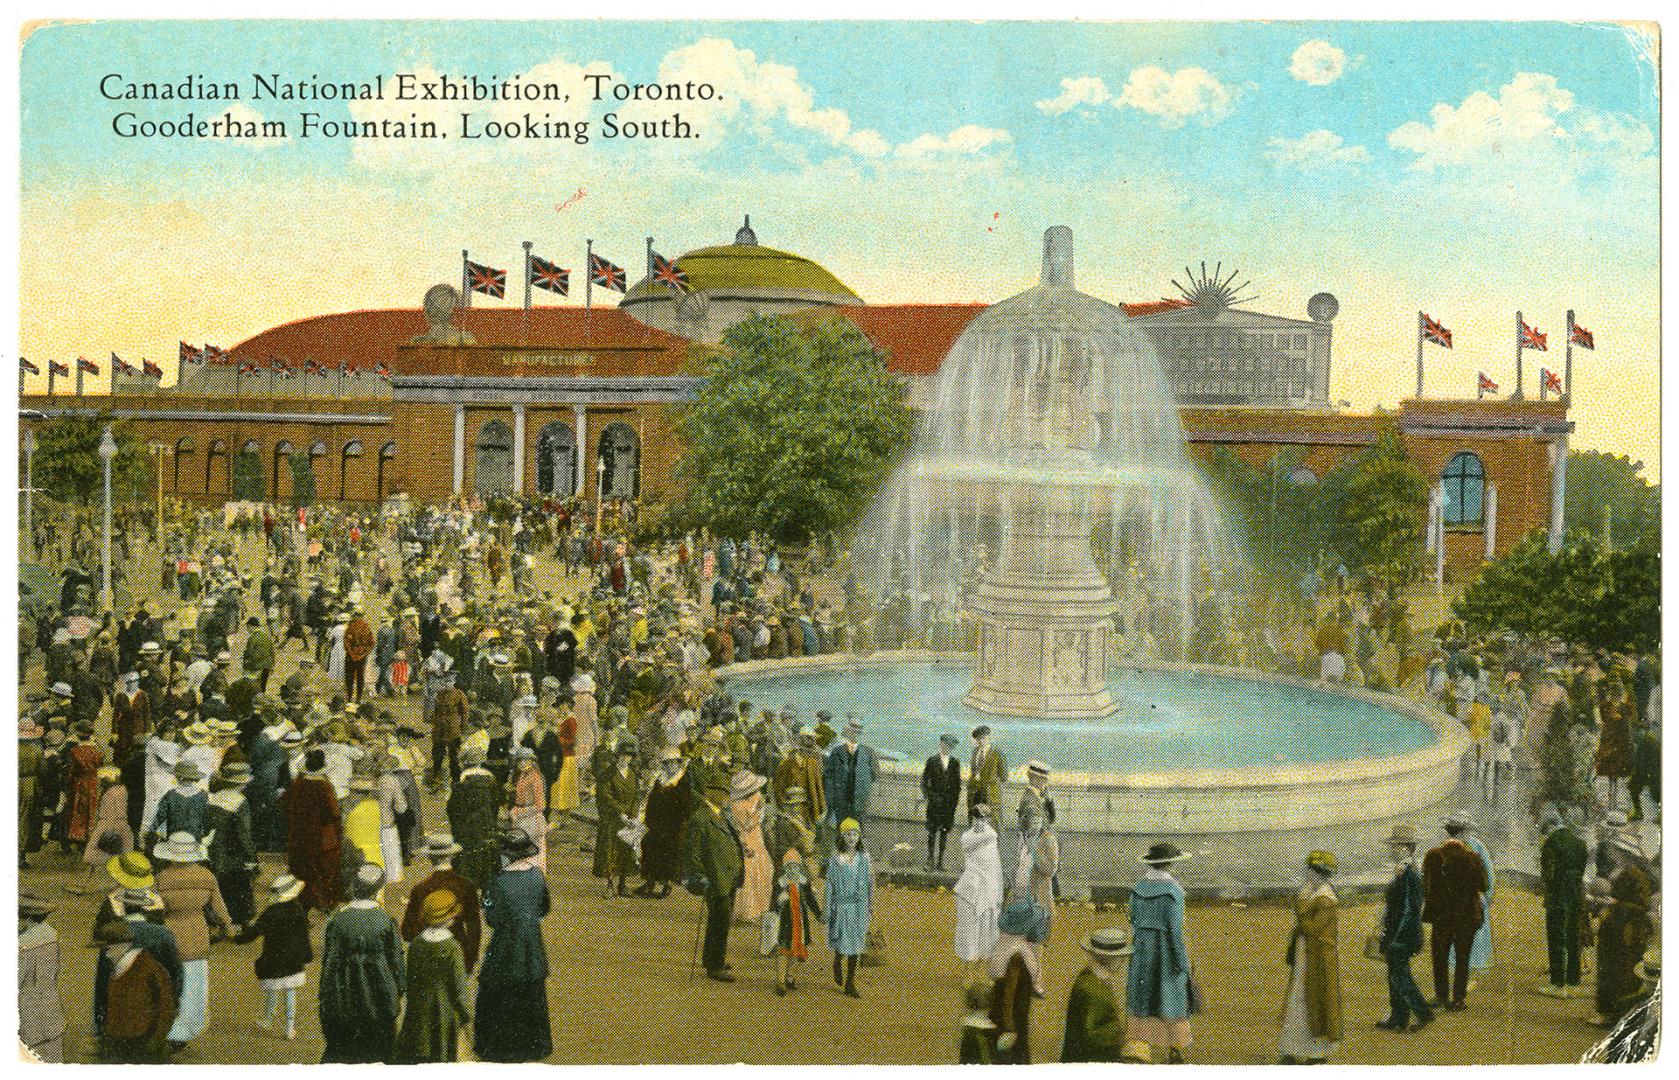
<point>1053,441</point>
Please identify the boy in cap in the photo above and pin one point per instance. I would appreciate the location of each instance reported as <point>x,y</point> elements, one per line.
<point>1095,1027</point>
<point>941,787</point>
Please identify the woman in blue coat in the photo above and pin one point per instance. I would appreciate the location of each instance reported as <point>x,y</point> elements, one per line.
<point>1158,994</point>
<point>511,1020</point>
<point>850,900</point>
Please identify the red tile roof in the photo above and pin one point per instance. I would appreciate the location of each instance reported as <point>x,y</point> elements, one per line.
<point>368,337</point>
<point>1153,307</point>
<point>915,337</point>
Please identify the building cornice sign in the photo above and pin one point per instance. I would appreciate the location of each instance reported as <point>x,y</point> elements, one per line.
<point>554,359</point>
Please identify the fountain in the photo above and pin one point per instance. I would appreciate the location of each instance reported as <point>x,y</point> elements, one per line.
<point>1049,495</point>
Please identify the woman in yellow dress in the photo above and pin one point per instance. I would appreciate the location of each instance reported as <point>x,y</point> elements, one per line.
<point>563,796</point>
<point>362,824</point>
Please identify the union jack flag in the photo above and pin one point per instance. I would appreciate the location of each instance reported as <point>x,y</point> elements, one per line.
<point>249,367</point>
<point>84,364</point>
<point>58,368</point>
<point>487,280</point>
<point>604,274</point>
<point>669,274</point>
<point>1531,338</point>
<point>1484,385</point>
<point>216,355</point>
<point>314,367</point>
<point>190,355</point>
<point>279,367</point>
<point>1548,379</point>
<point>1434,333</point>
<point>151,369</point>
<point>546,275</point>
<point>1582,337</point>
<point>382,369</point>
<point>119,364</point>
<point>25,365</point>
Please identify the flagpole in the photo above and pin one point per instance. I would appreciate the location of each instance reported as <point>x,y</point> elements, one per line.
<point>20,374</point>
<point>52,378</point>
<point>649,271</point>
<point>525,324</point>
<point>466,282</point>
<point>1542,374</point>
<point>78,376</point>
<point>1568,361</point>
<point>1419,355</point>
<point>589,276</point>
<point>1517,396</point>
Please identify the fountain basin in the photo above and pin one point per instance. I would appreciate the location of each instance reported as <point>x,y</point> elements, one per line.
<point>1191,749</point>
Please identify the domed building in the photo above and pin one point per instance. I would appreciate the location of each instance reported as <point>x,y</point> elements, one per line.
<point>733,282</point>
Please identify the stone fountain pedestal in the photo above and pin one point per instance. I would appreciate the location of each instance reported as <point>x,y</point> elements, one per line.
<point>1045,614</point>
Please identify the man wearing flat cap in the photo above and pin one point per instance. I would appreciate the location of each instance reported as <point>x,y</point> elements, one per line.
<point>1454,878</point>
<point>986,770</point>
<point>1563,858</point>
<point>713,867</point>
<point>849,773</point>
<point>941,787</point>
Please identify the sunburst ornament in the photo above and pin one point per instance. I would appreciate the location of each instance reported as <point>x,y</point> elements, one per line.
<point>1214,291</point>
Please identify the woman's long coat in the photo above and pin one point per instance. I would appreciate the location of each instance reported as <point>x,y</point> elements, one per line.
<point>1316,944</point>
<point>1158,982</point>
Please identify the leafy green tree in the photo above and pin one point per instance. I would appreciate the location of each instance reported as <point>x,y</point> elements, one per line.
<point>1580,595</point>
<point>1283,524</point>
<point>1383,508</point>
<point>249,484</point>
<point>68,467</point>
<point>1611,485</point>
<point>302,479</point>
<point>792,431</point>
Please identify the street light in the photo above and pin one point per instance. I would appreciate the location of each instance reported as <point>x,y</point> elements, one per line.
<point>29,486</point>
<point>600,490</point>
<point>159,451</point>
<point>107,451</point>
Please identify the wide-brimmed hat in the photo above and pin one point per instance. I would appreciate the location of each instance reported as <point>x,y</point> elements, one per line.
<point>62,689</point>
<point>440,846</point>
<point>1037,768</point>
<point>1402,836</point>
<point>224,657</point>
<point>181,847</point>
<point>197,733</point>
<point>472,756</point>
<point>109,932</point>
<point>284,888</point>
<point>150,648</point>
<point>716,783</point>
<point>947,740</point>
<point>237,773</point>
<point>1615,819</point>
<point>439,907</point>
<point>980,732</point>
<point>1321,861</point>
<point>131,870</point>
<point>54,737</point>
<point>1108,943</point>
<point>850,824</point>
<point>141,900</point>
<point>188,772</point>
<point>745,785</point>
<point>516,844</point>
<point>1163,853</point>
<point>1022,917</point>
<point>1459,820</point>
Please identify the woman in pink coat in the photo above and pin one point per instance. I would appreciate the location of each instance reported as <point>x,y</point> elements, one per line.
<point>757,886</point>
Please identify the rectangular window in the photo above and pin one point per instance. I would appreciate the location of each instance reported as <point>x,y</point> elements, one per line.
<point>1300,342</point>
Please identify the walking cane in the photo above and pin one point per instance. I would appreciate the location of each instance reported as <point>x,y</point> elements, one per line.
<point>694,957</point>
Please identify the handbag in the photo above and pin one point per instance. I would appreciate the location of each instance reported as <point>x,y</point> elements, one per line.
<point>769,932</point>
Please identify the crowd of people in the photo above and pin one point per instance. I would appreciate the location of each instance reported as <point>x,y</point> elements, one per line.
<point>426,665</point>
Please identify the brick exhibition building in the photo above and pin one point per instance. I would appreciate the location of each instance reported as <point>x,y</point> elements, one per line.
<point>576,401</point>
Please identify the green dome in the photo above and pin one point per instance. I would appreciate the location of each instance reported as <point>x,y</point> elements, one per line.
<point>749,267</point>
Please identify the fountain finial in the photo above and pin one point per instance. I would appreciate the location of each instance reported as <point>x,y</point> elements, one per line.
<point>1058,255</point>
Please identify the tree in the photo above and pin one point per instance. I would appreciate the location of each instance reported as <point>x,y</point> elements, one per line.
<point>68,466</point>
<point>1383,509</point>
<point>792,430</point>
<point>1611,485</point>
<point>249,484</point>
<point>302,479</point>
<point>1282,523</point>
<point>1581,595</point>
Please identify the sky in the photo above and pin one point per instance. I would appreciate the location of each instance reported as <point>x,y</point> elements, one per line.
<point>1469,170</point>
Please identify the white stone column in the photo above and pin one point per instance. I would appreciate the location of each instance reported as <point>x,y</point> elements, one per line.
<point>1492,517</point>
<point>460,449</point>
<point>1435,509</point>
<point>519,449</point>
<point>1559,492</point>
<point>580,424</point>
<point>1440,540</point>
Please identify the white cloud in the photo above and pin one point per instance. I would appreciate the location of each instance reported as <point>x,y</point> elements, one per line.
<point>967,139</point>
<point>1082,90</point>
<point>1174,97</point>
<point>1317,63</point>
<point>240,113</point>
<point>1315,150</point>
<point>1525,111</point>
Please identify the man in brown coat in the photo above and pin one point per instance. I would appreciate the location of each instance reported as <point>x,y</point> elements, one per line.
<point>358,644</point>
<point>1453,879</point>
<point>448,718</point>
<point>192,903</point>
<point>139,1003</point>
<point>802,769</point>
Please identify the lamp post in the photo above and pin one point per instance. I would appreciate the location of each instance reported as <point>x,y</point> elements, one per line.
<point>29,487</point>
<point>159,452</point>
<point>107,451</point>
<point>600,490</point>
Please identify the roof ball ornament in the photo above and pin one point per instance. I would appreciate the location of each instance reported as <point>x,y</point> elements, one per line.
<point>745,237</point>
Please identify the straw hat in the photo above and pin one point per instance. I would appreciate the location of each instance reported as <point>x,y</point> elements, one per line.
<point>283,888</point>
<point>132,870</point>
<point>181,847</point>
<point>1403,836</point>
<point>439,908</point>
<point>745,785</point>
<point>27,728</point>
<point>440,846</point>
<point>1107,944</point>
<point>1164,853</point>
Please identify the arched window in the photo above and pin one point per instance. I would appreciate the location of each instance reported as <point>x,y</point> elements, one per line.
<point>184,449</point>
<point>493,465</point>
<point>620,449</point>
<point>1465,483</point>
<point>281,483</point>
<point>251,447</point>
<point>216,479</point>
<point>352,449</point>
<point>1302,476</point>
<point>386,453</point>
<point>556,459</point>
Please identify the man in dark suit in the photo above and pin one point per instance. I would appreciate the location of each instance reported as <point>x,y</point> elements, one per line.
<point>712,867</point>
<point>1453,879</point>
<point>1402,935</point>
<point>941,786</point>
<point>1563,859</point>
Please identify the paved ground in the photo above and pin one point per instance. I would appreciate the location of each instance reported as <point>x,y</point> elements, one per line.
<point>624,989</point>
